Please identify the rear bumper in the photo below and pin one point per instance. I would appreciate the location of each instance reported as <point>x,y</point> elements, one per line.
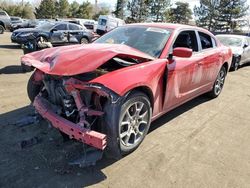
<point>93,138</point>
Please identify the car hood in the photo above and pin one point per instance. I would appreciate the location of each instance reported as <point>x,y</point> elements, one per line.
<point>236,50</point>
<point>77,59</point>
<point>26,30</point>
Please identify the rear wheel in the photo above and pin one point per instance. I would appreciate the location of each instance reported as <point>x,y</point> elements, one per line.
<point>1,29</point>
<point>84,41</point>
<point>219,83</point>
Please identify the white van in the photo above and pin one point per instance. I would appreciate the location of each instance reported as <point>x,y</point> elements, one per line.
<point>107,23</point>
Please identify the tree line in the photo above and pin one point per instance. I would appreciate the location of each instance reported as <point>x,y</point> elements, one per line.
<point>211,14</point>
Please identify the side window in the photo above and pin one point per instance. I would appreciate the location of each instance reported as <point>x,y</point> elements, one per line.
<point>61,27</point>
<point>214,42</point>
<point>74,27</point>
<point>3,14</point>
<point>206,41</point>
<point>248,40</point>
<point>187,39</point>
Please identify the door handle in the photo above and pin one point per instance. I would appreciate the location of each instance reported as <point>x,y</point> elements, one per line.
<point>199,63</point>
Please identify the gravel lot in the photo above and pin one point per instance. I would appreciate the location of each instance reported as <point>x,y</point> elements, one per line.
<point>204,143</point>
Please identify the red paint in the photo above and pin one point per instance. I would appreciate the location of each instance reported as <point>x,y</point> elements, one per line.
<point>182,52</point>
<point>186,77</point>
<point>76,59</point>
<point>75,131</point>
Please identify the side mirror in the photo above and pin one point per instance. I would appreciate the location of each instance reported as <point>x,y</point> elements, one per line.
<point>245,46</point>
<point>182,52</point>
<point>53,30</point>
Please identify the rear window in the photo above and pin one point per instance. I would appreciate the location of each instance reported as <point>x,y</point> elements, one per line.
<point>89,26</point>
<point>61,27</point>
<point>102,22</point>
<point>74,27</point>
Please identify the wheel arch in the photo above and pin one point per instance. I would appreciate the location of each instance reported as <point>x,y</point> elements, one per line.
<point>146,90</point>
<point>226,65</point>
<point>2,24</point>
<point>85,37</point>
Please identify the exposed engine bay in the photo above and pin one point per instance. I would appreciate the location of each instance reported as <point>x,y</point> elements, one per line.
<point>74,99</point>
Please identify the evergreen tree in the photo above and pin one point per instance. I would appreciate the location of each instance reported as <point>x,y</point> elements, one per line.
<point>102,11</point>
<point>229,11</point>
<point>180,14</point>
<point>73,9</point>
<point>62,8</point>
<point>85,10</point>
<point>139,10</point>
<point>158,9</point>
<point>46,9</point>
<point>120,9</point>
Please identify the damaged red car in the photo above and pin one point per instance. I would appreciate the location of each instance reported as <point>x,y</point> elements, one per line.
<point>106,94</point>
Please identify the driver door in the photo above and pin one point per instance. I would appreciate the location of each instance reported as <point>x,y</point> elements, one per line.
<point>59,34</point>
<point>184,74</point>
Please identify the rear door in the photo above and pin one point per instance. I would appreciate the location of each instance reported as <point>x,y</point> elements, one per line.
<point>75,33</point>
<point>209,66</point>
<point>59,34</point>
<point>245,57</point>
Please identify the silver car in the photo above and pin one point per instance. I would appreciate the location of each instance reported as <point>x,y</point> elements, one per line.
<point>240,46</point>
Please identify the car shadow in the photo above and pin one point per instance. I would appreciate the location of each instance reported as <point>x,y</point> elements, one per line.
<point>10,46</point>
<point>11,69</point>
<point>88,175</point>
<point>177,112</point>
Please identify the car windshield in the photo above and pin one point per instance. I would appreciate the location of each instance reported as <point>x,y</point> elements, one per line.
<point>230,41</point>
<point>47,26</point>
<point>150,40</point>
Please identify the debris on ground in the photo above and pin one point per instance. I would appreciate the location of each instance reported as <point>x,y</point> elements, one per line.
<point>27,120</point>
<point>29,142</point>
<point>90,157</point>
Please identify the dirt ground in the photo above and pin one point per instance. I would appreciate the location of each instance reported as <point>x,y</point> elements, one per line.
<point>204,143</point>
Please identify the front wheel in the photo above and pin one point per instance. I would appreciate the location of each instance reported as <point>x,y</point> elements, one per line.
<point>33,88</point>
<point>1,29</point>
<point>128,124</point>
<point>219,83</point>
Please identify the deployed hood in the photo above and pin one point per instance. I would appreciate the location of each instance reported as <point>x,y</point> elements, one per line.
<point>77,59</point>
<point>236,50</point>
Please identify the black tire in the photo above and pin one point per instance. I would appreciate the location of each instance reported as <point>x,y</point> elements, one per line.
<point>84,40</point>
<point>114,116</point>
<point>41,39</point>
<point>26,68</point>
<point>1,29</point>
<point>236,65</point>
<point>219,83</point>
<point>33,88</point>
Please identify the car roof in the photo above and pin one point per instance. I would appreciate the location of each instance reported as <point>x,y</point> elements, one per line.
<point>231,35</point>
<point>170,26</point>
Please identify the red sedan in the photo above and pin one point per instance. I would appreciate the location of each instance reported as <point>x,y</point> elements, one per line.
<point>106,94</point>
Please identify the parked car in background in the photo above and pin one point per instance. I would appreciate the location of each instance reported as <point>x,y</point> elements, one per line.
<point>107,23</point>
<point>16,22</point>
<point>240,46</point>
<point>32,23</point>
<point>106,93</point>
<point>89,24</point>
<point>4,21</point>
<point>58,33</point>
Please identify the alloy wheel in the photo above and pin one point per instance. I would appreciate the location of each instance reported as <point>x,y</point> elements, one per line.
<point>134,123</point>
<point>220,81</point>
